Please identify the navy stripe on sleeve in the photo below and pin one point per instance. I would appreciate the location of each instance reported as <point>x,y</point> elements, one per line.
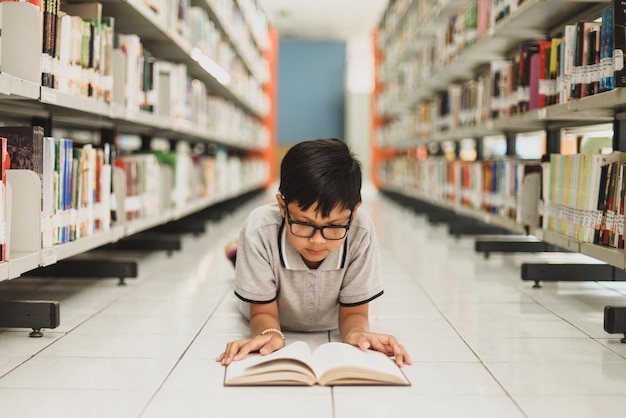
<point>260,302</point>
<point>361,302</point>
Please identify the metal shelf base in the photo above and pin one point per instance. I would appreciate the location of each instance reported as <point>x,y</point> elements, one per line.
<point>467,227</point>
<point>615,320</point>
<point>90,267</point>
<point>150,241</point>
<point>183,226</point>
<point>442,216</point>
<point>570,272</point>
<point>488,244</point>
<point>34,314</point>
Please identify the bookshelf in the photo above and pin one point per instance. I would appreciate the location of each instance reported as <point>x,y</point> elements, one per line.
<point>532,20</point>
<point>230,115</point>
<point>398,95</point>
<point>453,70</point>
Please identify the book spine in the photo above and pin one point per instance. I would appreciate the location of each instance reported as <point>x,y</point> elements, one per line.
<point>619,42</point>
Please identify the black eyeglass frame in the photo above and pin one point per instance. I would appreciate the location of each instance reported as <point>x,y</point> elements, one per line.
<point>316,228</point>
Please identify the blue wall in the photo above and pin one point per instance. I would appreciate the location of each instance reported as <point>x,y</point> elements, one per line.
<point>310,90</point>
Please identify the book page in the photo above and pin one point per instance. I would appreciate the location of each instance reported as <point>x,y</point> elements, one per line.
<point>341,363</point>
<point>288,365</point>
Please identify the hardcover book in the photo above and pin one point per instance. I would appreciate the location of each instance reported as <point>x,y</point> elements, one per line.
<point>330,364</point>
<point>607,79</point>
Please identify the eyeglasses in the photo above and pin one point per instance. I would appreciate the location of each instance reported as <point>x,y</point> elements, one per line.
<point>307,230</point>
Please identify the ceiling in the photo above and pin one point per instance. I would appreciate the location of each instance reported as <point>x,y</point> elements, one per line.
<point>324,19</point>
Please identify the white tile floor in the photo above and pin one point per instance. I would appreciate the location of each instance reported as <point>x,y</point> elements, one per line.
<point>484,343</point>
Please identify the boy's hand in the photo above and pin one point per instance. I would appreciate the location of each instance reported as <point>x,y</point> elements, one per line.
<point>384,343</point>
<point>264,344</point>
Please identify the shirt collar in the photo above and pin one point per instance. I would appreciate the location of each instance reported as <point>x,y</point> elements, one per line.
<point>292,260</point>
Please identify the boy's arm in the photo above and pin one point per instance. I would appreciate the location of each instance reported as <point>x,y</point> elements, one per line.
<point>353,319</point>
<point>263,317</point>
<point>354,330</point>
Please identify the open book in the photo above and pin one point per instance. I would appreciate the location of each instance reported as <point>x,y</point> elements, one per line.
<point>329,364</point>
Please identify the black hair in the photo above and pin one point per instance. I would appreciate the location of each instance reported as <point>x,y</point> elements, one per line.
<point>322,172</point>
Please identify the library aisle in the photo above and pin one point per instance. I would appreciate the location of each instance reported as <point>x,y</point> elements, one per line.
<point>484,343</point>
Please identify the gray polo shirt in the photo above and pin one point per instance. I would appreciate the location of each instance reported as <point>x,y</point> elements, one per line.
<point>269,268</point>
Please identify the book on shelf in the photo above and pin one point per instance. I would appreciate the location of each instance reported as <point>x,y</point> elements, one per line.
<point>25,147</point>
<point>607,66</point>
<point>527,50</point>
<point>593,61</point>
<point>482,18</point>
<point>553,68</point>
<point>533,81</point>
<point>619,42</point>
<point>586,197</point>
<point>143,188</point>
<point>329,364</point>
<point>610,200</point>
<point>582,68</point>
<point>63,167</point>
<point>48,192</point>
<point>544,95</point>
<point>29,150</point>
<point>85,43</point>
<point>567,63</point>
<point>49,46</point>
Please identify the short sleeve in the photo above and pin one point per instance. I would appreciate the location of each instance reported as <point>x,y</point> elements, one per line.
<point>255,280</point>
<point>362,281</point>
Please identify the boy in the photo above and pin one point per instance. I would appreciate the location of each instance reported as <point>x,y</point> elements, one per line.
<point>310,262</point>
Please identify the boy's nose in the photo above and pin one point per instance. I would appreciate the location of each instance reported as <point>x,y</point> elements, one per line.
<point>317,237</point>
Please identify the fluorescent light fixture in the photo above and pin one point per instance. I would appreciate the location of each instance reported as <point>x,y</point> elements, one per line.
<point>210,66</point>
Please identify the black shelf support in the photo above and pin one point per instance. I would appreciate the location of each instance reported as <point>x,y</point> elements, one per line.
<point>511,143</point>
<point>195,226</point>
<point>464,227</point>
<point>553,141</point>
<point>512,243</point>
<point>619,134</point>
<point>34,314</point>
<point>150,241</point>
<point>440,215</point>
<point>570,272</point>
<point>615,320</point>
<point>90,267</point>
<point>479,147</point>
<point>146,142</point>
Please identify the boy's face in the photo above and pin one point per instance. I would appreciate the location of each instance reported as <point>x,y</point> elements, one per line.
<point>316,248</point>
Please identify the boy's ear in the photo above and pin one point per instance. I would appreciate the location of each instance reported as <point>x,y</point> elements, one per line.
<point>281,203</point>
<point>358,205</point>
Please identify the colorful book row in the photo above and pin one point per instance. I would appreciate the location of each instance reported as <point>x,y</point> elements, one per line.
<point>579,196</point>
<point>494,186</point>
<point>77,193</point>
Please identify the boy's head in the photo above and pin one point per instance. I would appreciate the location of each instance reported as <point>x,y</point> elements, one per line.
<point>323,174</point>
